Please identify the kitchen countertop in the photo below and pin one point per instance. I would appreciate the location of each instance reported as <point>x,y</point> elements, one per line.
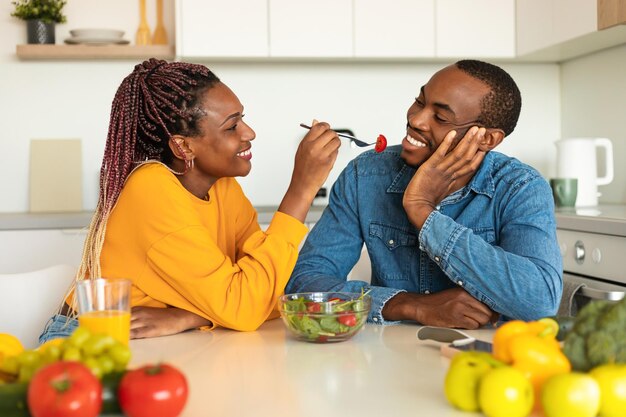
<point>605,219</point>
<point>81,219</point>
<point>383,370</point>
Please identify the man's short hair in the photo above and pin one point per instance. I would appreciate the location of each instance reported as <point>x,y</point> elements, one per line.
<point>501,107</point>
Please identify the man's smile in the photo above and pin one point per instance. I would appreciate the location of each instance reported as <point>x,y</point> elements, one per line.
<point>420,143</point>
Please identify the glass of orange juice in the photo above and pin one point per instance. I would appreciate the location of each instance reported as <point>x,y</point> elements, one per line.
<point>104,306</point>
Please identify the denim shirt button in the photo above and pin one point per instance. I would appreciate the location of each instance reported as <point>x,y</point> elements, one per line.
<point>437,259</point>
<point>391,242</point>
<point>437,207</point>
<point>375,319</point>
<point>426,292</point>
<point>460,283</point>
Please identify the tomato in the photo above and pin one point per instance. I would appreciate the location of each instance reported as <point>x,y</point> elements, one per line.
<point>347,319</point>
<point>381,143</point>
<point>64,389</point>
<point>313,307</point>
<point>153,390</point>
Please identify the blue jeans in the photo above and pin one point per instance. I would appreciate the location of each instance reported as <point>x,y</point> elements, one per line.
<point>58,326</point>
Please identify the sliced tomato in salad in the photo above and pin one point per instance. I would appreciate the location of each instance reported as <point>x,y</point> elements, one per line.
<point>313,307</point>
<point>347,319</point>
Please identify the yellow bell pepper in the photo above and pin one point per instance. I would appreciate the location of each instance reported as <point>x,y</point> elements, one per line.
<point>532,348</point>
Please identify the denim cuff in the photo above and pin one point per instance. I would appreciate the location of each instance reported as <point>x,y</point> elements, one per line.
<point>438,236</point>
<point>380,296</point>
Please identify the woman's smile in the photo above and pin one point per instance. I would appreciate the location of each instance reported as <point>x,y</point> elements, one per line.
<point>247,154</point>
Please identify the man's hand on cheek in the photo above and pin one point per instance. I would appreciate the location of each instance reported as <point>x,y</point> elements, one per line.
<point>447,170</point>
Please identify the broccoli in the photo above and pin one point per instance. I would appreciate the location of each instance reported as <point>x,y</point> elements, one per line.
<point>598,335</point>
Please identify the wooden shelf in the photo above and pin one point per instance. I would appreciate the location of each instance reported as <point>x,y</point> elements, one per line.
<point>68,52</point>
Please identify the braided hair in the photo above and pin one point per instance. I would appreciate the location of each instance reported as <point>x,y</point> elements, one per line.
<point>156,101</point>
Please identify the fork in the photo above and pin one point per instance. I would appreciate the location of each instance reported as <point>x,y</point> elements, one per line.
<point>354,140</point>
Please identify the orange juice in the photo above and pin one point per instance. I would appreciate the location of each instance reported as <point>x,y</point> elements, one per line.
<point>115,323</point>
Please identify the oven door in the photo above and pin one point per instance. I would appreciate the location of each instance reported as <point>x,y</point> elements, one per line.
<point>594,289</point>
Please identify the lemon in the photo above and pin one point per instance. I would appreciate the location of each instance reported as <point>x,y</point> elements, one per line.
<point>573,394</point>
<point>505,392</point>
<point>9,346</point>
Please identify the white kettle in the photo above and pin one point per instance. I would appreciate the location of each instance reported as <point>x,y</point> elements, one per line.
<point>576,158</point>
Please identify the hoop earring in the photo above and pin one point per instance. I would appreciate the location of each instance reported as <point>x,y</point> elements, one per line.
<point>188,162</point>
<point>188,165</point>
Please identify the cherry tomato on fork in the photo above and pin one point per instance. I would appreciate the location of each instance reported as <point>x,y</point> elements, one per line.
<point>381,143</point>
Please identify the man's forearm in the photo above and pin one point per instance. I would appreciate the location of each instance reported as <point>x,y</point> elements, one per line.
<point>402,306</point>
<point>418,214</point>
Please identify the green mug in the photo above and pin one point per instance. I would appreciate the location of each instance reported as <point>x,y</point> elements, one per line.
<point>564,191</point>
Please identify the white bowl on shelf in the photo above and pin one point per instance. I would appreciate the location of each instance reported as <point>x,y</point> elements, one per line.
<point>105,34</point>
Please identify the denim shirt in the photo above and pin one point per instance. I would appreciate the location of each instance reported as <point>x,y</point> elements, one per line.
<point>496,237</point>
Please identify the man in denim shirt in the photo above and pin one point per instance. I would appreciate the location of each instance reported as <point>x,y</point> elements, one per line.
<point>457,234</point>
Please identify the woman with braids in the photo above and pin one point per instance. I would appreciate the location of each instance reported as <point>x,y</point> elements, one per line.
<point>171,216</point>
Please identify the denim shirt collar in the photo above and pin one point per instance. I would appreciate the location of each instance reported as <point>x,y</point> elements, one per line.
<point>481,183</point>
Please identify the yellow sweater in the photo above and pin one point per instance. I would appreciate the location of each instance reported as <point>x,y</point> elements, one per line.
<point>207,257</point>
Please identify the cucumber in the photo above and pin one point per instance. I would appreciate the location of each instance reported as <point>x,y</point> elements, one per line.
<point>13,400</point>
<point>13,397</point>
<point>110,383</point>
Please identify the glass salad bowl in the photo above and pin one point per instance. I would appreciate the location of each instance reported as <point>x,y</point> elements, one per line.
<point>323,317</point>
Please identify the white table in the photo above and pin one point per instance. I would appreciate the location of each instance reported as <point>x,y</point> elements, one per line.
<point>382,371</point>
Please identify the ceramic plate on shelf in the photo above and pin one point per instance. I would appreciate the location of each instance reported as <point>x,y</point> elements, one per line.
<point>97,33</point>
<point>95,41</point>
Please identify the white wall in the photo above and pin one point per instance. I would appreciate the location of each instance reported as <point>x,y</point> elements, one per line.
<point>370,99</point>
<point>71,99</point>
<point>594,105</point>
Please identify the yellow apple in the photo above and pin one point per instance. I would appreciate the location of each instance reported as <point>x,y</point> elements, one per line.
<point>573,394</point>
<point>612,381</point>
<point>505,392</point>
<point>463,377</point>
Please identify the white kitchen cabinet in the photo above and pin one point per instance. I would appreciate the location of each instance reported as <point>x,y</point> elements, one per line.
<point>475,29</point>
<point>394,28</point>
<point>303,28</point>
<point>546,23</point>
<point>533,25</point>
<point>573,18</point>
<point>29,250</point>
<point>217,28</point>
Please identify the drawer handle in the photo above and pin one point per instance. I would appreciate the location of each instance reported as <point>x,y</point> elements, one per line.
<point>596,294</point>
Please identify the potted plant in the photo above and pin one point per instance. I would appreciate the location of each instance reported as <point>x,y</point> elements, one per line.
<point>41,17</point>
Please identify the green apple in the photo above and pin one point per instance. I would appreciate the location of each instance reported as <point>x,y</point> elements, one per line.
<point>463,377</point>
<point>573,394</point>
<point>506,392</point>
<point>612,381</point>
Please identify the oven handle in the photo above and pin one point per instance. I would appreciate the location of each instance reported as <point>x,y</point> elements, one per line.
<point>596,294</point>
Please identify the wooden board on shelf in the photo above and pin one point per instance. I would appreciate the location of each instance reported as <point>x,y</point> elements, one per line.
<point>41,52</point>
